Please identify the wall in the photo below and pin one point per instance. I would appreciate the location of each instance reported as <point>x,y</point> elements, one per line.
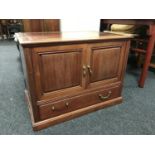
<point>80,24</point>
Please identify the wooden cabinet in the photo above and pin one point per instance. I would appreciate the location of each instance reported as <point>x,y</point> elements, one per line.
<point>67,77</point>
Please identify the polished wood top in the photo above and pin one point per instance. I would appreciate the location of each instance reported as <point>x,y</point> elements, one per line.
<point>56,37</point>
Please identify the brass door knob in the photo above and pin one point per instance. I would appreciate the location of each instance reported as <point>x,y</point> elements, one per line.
<point>84,70</point>
<point>53,108</point>
<point>90,70</point>
<point>67,104</point>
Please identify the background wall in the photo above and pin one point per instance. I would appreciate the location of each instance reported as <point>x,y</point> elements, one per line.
<point>75,24</point>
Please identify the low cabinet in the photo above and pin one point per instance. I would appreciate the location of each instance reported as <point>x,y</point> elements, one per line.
<point>66,78</point>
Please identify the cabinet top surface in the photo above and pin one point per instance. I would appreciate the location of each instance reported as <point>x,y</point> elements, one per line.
<point>57,37</point>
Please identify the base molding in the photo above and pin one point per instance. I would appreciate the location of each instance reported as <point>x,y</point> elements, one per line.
<point>68,116</point>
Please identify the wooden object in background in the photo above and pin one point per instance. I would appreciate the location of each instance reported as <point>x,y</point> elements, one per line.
<point>1,33</point>
<point>151,41</point>
<point>41,25</point>
<point>51,25</point>
<point>149,52</point>
<point>71,74</point>
<point>10,26</point>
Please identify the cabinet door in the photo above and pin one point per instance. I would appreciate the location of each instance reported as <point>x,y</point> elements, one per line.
<point>58,70</point>
<point>105,62</point>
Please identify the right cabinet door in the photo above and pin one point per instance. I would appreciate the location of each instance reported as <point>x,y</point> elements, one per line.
<point>105,62</point>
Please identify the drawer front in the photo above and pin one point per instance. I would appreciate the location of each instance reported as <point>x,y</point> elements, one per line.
<point>78,102</point>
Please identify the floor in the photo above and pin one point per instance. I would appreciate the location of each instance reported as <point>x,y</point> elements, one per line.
<point>136,115</point>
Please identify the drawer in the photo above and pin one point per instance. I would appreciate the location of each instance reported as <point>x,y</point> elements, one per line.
<point>78,102</point>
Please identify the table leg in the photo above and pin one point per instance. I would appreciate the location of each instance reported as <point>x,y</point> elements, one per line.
<point>148,56</point>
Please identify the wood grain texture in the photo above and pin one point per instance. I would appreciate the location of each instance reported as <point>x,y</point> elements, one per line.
<point>65,37</point>
<point>29,80</point>
<point>51,25</point>
<point>61,70</point>
<point>105,63</point>
<point>68,116</point>
<point>41,25</point>
<point>58,69</point>
<point>106,60</point>
<point>32,25</point>
<point>78,102</point>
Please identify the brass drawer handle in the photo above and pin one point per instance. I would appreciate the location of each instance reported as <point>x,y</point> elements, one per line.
<point>90,70</point>
<point>105,97</point>
<point>67,104</point>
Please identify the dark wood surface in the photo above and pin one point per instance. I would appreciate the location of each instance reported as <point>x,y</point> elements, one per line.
<point>41,25</point>
<point>68,80</point>
<point>78,102</point>
<point>68,64</point>
<point>149,53</point>
<point>68,116</point>
<point>57,37</point>
<point>58,68</point>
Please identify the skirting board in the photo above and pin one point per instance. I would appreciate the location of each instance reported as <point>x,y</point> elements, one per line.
<point>68,116</point>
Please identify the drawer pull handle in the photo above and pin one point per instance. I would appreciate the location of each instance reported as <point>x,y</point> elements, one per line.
<point>53,108</point>
<point>105,97</point>
<point>90,70</point>
<point>67,104</point>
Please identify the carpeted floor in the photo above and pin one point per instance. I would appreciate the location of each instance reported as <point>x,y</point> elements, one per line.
<point>135,116</point>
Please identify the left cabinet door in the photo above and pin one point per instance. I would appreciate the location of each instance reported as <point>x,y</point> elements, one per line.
<point>58,70</point>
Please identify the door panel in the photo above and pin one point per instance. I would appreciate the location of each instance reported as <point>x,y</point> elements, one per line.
<point>105,61</point>
<point>58,70</point>
<point>63,70</point>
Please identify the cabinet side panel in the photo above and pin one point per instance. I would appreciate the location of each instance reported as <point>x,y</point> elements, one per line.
<point>126,51</point>
<point>29,80</point>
